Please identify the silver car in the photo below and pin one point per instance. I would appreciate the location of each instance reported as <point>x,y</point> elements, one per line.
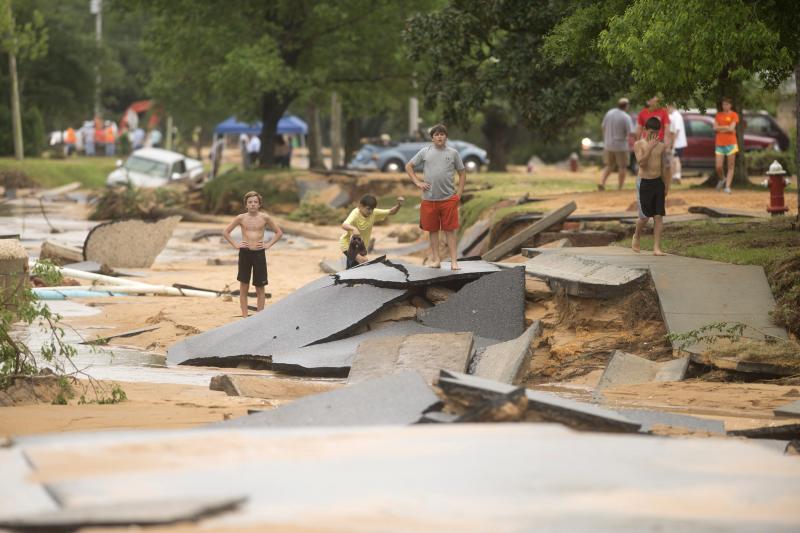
<point>393,158</point>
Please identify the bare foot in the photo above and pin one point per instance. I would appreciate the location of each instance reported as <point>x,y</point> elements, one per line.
<point>454,266</point>
<point>436,264</point>
<point>656,251</point>
<point>635,244</point>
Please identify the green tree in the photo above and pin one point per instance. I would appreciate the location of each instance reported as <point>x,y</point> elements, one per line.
<point>255,59</point>
<point>697,51</point>
<point>19,42</point>
<point>491,57</point>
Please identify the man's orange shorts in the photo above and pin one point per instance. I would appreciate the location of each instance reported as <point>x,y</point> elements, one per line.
<point>440,214</point>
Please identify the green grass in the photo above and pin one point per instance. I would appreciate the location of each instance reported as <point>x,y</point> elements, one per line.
<point>742,241</point>
<point>91,172</point>
<point>408,214</point>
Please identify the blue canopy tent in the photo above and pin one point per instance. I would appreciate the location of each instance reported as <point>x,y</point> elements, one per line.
<point>287,125</point>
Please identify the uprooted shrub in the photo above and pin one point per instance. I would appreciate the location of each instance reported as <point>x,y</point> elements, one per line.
<point>127,201</point>
<point>16,179</point>
<point>223,195</point>
<point>785,281</point>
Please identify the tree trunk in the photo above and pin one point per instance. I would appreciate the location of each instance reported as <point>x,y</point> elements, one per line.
<point>273,105</point>
<point>499,137</point>
<point>352,138</point>
<point>336,131</point>
<point>314,137</point>
<point>16,115</point>
<point>797,135</point>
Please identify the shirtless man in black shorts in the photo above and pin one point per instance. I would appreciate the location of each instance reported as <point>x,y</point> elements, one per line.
<point>252,248</point>
<point>652,184</point>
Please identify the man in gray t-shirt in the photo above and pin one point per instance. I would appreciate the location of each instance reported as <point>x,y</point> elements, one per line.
<point>617,131</point>
<point>440,196</point>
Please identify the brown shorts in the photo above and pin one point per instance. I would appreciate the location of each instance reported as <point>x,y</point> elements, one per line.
<point>440,214</point>
<point>615,160</point>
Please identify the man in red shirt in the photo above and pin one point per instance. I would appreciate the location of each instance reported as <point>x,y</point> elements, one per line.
<point>652,110</point>
<point>725,145</point>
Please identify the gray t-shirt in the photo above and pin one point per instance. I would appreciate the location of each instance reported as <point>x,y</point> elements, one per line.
<point>439,166</point>
<point>617,125</point>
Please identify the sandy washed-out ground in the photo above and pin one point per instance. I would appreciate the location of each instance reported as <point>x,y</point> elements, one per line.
<point>558,363</point>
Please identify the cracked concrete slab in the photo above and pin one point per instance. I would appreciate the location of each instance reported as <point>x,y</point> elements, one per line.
<point>545,407</point>
<point>492,307</point>
<point>516,241</point>
<point>398,399</point>
<point>139,513</point>
<point>334,358</point>
<point>471,241</point>
<point>649,419</point>
<point>19,495</point>
<point>397,274</point>
<point>587,278</point>
<point>791,409</point>
<point>516,475</point>
<point>308,316</point>
<point>628,369</point>
<point>423,353</point>
<point>503,362</point>
<point>143,241</point>
<point>713,292</point>
<point>269,387</point>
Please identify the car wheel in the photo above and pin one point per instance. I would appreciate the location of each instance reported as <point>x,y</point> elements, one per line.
<point>472,164</point>
<point>393,165</point>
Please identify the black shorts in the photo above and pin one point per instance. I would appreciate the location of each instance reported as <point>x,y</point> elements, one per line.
<point>650,195</point>
<point>255,260</point>
<point>679,151</point>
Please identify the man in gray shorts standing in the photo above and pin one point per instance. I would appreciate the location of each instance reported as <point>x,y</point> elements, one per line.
<point>440,196</point>
<point>617,131</point>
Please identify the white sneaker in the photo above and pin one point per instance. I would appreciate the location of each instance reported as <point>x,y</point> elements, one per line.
<point>727,190</point>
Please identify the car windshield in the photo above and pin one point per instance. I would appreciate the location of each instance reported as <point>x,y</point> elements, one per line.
<point>147,166</point>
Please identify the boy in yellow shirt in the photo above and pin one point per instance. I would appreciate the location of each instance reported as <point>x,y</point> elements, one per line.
<point>359,224</point>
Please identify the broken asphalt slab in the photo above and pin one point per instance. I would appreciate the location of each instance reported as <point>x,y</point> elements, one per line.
<point>310,315</point>
<point>19,495</point>
<point>143,241</point>
<point>492,307</point>
<point>140,513</point>
<point>395,274</point>
<point>503,362</point>
<point>423,353</point>
<point>586,278</point>
<point>334,358</point>
<point>398,399</point>
<point>725,212</point>
<point>544,406</point>
<point>783,432</point>
<point>628,369</point>
<point>472,237</point>
<point>472,478</point>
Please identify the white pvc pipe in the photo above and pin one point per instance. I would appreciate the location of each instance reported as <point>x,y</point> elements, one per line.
<point>157,290</point>
<point>80,274</point>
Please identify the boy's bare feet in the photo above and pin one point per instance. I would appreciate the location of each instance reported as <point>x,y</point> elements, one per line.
<point>436,264</point>
<point>454,266</point>
<point>656,251</point>
<point>635,243</point>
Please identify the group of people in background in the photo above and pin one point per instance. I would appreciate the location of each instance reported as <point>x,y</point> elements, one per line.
<point>100,137</point>
<point>620,133</point>
<point>250,149</point>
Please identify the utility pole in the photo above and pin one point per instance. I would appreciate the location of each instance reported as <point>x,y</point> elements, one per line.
<point>336,131</point>
<point>413,116</point>
<point>16,115</point>
<point>96,9</point>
